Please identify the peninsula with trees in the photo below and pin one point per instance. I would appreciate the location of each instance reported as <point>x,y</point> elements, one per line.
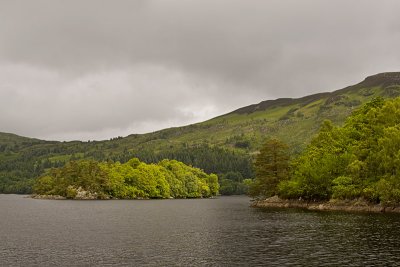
<point>353,167</point>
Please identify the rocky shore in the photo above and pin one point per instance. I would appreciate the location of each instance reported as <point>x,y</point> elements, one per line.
<point>358,205</point>
<point>54,197</point>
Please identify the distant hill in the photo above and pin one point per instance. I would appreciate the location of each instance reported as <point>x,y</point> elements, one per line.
<point>220,145</point>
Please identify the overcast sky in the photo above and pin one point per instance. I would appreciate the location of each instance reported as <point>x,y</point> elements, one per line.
<point>98,69</point>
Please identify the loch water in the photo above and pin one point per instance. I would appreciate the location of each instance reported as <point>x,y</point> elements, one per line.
<point>190,232</point>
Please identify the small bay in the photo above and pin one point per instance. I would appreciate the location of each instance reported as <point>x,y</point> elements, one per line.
<point>223,231</point>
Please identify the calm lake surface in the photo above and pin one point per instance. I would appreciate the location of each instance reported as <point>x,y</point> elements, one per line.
<point>194,232</point>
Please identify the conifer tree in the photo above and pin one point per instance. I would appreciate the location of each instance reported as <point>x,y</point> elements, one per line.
<point>271,167</point>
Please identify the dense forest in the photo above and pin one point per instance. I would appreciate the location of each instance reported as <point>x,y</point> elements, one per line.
<point>359,160</point>
<point>17,173</point>
<point>89,179</point>
<point>234,169</point>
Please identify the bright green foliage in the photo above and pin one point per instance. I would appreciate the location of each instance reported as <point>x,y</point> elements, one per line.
<point>344,187</point>
<point>272,167</point>
<point>77,174</point>
<point>360,159</point>
<point>322,162</point>
<point>130,180</point>
<point>190,182</point>
<point>231,167</point>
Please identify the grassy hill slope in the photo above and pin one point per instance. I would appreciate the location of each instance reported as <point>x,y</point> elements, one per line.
<point>219,145</point>
<point>292,120</point>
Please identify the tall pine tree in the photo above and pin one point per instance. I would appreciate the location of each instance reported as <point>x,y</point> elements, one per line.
<point>271,167</point>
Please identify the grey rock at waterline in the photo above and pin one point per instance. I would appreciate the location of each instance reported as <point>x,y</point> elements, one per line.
<point>358,205</point>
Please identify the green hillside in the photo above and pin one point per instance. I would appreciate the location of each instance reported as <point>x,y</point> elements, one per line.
<point>223,145</point>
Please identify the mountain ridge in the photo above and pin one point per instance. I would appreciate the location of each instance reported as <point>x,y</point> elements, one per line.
<point>385,79</point>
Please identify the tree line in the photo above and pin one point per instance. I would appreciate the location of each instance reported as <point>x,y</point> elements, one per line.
<point>361,159</point>
<point>19,170</point>
<point>234,169</point>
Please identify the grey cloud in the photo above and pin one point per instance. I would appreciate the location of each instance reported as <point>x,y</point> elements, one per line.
<point>46,103</point>
<point>101,68</point>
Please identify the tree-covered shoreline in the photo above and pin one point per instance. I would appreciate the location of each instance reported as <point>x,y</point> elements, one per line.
<point>89,179</point>
<point>360,160</point>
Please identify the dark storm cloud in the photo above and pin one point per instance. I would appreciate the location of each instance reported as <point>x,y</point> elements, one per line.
<point>97,69</point>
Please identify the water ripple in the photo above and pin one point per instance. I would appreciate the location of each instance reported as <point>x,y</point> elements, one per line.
<point>215,232</point>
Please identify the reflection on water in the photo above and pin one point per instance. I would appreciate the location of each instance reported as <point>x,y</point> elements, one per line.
<point>196,232</point>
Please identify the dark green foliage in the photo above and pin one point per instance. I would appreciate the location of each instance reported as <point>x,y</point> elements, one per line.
<point>272,167</point>
<point>243,144</point>
<point>210,159</point>
<point>233,183</point>
<point>131,180</point>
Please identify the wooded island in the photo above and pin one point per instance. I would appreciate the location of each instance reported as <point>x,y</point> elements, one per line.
<point>89,179</point>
